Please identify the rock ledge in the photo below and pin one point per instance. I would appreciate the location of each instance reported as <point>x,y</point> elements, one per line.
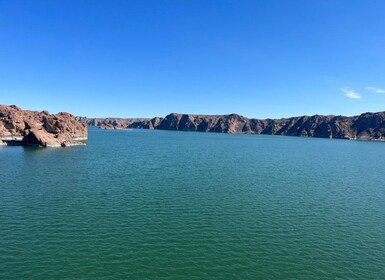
<point>40,129</point>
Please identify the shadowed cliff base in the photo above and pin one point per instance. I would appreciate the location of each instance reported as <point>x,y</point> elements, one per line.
<point>367,126</point>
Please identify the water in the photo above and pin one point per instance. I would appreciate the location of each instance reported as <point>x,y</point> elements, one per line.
<point>180,205</point>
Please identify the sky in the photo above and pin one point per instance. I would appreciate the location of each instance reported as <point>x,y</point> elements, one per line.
<point>146,58</point>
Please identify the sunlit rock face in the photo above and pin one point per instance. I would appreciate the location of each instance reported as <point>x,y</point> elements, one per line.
<point>367,126</point>
<point>32,128</point>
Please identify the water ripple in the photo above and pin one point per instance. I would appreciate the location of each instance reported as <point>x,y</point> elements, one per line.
<point>172,205</point>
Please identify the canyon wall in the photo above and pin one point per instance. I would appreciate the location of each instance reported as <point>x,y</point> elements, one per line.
<point>367,126</point>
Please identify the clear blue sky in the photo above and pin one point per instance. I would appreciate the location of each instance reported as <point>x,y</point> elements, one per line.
<point>148,58</point>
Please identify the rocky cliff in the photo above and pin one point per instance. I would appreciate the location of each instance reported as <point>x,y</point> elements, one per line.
<point>31,128</point>
<point>113,123</point>
<point>367,126</point>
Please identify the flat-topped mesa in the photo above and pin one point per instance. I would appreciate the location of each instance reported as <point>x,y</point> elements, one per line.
<point>367,126</point>
<point>32,128</point>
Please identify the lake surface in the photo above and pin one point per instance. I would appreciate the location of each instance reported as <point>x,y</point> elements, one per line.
<point>147,204</point>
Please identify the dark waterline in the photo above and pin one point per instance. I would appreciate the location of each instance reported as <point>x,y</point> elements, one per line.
<point>164,204</point>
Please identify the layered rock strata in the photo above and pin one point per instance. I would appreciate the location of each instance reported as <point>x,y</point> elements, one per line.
<point>32,128</point>
<point>367,126</point>
<point>113,123</point>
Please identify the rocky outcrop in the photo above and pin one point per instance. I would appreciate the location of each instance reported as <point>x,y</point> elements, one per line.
<point>367,126</point>
<point>31,128</point>
<point>112,123</point>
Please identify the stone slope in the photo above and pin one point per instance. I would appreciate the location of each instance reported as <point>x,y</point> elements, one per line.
<point>32,128</point>
<point>367,126</point>
<point>112,123</point>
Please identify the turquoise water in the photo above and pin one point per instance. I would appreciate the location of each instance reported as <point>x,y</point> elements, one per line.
<point>182,205</point>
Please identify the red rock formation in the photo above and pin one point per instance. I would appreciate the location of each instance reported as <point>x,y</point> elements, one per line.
<point>113,123</point>
<point>367,126</point>
<point>32,128</point>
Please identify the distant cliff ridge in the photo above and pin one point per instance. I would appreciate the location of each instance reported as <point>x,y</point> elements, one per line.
<point>113,123</point>
<point>367,126</point>
<point>32,128</point>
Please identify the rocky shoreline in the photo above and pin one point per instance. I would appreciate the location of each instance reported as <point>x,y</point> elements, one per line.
<point>367,126</point>
<point>39,129</point>
<point>32,128</point>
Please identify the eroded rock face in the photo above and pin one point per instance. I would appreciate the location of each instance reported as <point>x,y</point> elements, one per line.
<point>368,126</point>
<point>32,128</point>
<point>114,123</point>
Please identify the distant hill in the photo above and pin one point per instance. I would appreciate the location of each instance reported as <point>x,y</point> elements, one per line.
<point>367,126</point>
